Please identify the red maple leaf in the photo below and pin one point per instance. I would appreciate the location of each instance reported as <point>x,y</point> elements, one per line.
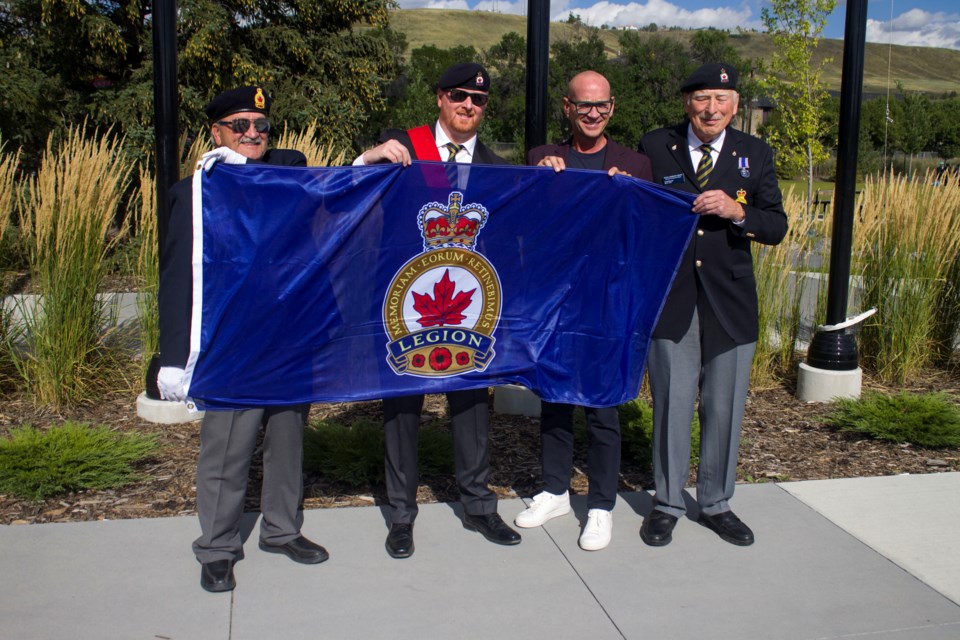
<point>444,308</point>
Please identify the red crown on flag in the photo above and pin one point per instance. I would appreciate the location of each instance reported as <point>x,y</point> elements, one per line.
<point>452,225</point>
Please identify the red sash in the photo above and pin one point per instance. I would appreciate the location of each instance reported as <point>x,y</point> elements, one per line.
<point>424,144</point>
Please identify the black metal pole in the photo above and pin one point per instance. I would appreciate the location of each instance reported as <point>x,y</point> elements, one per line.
<point>837,350</point>
<point>538,52</point>
<point>165,106</point>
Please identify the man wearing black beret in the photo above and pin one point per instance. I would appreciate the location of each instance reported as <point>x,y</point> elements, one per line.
<point>240,127</point>
<point>706,335</point>
<point>462,94</point>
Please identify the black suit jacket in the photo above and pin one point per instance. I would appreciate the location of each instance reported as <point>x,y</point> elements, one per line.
<point>636,164</point>
<point>176,257</point>
<point>481,154</point>
<point>718,263</point>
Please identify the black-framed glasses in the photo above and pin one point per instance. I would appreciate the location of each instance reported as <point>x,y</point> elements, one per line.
<point>242,125</point>
<point>459,95</point>
<point>583,107</point>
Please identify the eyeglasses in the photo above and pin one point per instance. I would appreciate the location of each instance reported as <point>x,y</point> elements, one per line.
<point>459,95</point>
<point>242,125</point>
<point>603,107</point>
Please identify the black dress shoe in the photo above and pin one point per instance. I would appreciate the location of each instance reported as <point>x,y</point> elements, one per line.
<point>729,527</point>
<point>492,527</point>
<point>657,529</point>
<point>400,540</point>
<point>299,550</point>
<point>217,576</point>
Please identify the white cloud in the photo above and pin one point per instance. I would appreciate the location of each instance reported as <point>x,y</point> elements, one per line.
<point>517,7</point>
<point>434,4</point>
<point>664,14</point>
<point>614,14</point>
<point>917,28</point>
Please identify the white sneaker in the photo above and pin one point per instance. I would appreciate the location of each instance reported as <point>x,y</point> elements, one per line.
<point>596,535</point>
<point>545,506</point>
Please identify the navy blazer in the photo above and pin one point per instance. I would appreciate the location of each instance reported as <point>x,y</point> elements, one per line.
<point>636,164</point>
<point>176,257</point>
<point>718,262</point>
<point>481,153</point>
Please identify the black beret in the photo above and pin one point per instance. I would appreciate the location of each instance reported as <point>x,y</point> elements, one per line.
<point>711,76</point>
<point>238,100</point>
<point>466,75</point>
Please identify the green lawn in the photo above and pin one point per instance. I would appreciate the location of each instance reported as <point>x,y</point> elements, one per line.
<point>800,186</point>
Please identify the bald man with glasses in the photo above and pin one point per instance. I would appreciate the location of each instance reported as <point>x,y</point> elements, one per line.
<point>588,107</point>
<point>239,126</point>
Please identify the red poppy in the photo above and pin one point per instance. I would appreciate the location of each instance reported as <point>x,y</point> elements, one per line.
<point>418,360</point>
<point>463,358</point>
<point>440,359</point>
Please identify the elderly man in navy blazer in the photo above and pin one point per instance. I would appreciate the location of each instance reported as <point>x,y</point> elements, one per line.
<point>705,337</point>
<point>588,107</point>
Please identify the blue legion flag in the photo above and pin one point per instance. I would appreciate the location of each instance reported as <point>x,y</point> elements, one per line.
<point>356,283</point>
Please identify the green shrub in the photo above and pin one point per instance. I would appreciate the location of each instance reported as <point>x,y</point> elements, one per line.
<point>36,464</point>
<point>927,420</point>
<point>636,428</point>
<point>354,454</point>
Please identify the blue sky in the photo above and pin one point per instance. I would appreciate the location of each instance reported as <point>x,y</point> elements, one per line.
<point>929,23</point>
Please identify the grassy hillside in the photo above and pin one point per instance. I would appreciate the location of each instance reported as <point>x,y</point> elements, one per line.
<point>918,68</point>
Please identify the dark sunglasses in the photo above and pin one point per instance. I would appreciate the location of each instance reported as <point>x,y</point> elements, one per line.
<point>242,125</point>
<point>459,95</point>
<point>583,108</point>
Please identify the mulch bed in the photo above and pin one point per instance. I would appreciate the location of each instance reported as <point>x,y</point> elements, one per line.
<point>782,441</point>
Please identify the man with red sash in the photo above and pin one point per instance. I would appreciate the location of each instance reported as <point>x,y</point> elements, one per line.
<point>462,95</point>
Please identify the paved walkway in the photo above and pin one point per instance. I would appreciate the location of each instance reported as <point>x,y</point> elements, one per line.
<point>871,558</point>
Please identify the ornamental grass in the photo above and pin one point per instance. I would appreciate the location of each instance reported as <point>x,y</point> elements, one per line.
<point>198,145</point>
<point>305,142</point>
<point>148,271</point>
<point>8,186</point>
<point>69,223</point>
<point>906,243</point>
<point>785,277</point>
<point>8,191</point>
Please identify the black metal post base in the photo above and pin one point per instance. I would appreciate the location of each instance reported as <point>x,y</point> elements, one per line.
<point>833,350</point>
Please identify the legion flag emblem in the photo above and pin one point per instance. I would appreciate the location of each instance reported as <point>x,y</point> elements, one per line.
<point>443,305</point>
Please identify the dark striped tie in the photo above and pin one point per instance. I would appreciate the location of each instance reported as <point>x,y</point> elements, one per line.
<point>705,166</point>
<point>453,149</point>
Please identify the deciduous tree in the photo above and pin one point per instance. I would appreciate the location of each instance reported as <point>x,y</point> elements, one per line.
<point>69,60</point>
<point>794,83</point>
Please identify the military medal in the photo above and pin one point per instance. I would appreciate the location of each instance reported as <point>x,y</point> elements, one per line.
<point>744,165</point>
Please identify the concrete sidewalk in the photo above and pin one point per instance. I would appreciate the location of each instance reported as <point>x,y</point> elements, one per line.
<point>874,558</point>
